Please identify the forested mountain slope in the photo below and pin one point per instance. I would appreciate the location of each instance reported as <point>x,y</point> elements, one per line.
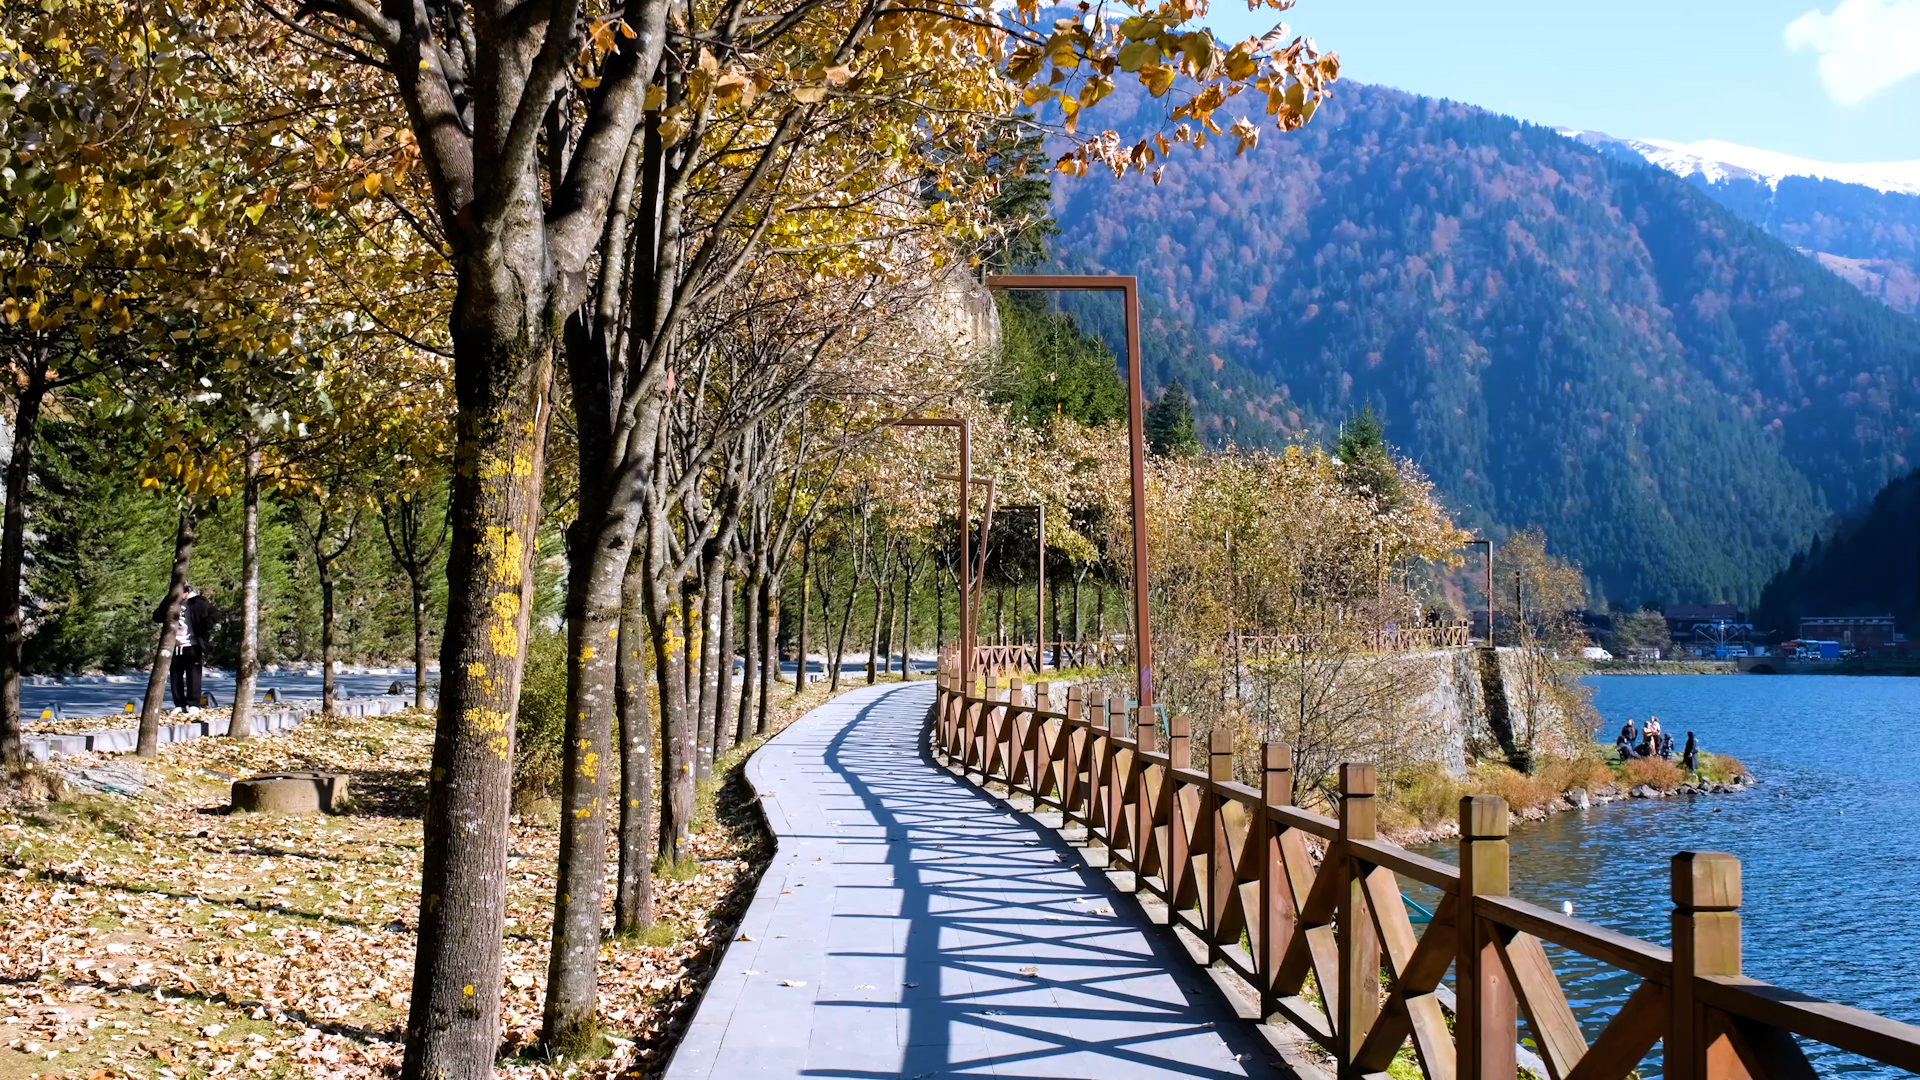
<point>1866,565</point>
<point>1559,337</point>
<point>1868,233</point>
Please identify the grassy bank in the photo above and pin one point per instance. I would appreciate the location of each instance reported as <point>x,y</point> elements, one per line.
<point>153,935</point>
<point>1425,805</point>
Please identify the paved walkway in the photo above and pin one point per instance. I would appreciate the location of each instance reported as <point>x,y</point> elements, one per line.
<point>912,926</point>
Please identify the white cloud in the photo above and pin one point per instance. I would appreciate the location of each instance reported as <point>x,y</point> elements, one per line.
<point>1865,45</point>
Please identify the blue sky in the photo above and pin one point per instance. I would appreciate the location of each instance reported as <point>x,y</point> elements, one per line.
<point>1842,85</point>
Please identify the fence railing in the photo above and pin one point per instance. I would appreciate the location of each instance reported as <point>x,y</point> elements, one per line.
<point>1020,659</point>
<point>1398,639</point>
<point>1328,944</point>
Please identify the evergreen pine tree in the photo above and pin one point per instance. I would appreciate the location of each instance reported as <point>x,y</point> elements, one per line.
<point>1169,423</point>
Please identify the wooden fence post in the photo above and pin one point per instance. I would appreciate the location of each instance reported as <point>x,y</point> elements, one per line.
<point>1175,869</point>
<point>1030,738</point>
<point>1355,937</point>
<point>1706,941</point>
<point>1219,883</point>
<point>1276,891</point>
<point>1486,1017</point>
<point>1009,720</point>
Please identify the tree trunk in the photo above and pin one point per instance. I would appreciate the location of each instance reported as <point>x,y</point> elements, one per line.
<point>241,726</point>
<point>665,623</point>
<point>723,683</point>
<point>906,620</point>
<point>503,361</point>
<point>749,655</point>
<point>600,542</point>
<point>13,554</point>
<point>712,651</point>
<point>326,639</point>
<point>769,652</point>
<point>882,608</point>
<point>840,639</point>
<point>633,892</point>
<point>806,616</point>
<point>149,745</point>
<point>1053,610</point>
<point>418,579</point>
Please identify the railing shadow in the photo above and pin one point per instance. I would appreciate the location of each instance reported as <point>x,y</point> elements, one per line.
<point>959,897</point>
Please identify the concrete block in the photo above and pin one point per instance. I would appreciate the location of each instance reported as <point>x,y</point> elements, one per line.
<point>292,793</point>
<point>66,745</point>
<point>36,747</point>
<point>115,741</point>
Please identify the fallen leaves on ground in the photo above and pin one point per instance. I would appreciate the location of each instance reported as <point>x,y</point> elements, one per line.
<point>157,937</point>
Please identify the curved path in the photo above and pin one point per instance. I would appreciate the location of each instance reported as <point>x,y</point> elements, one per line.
<point>913,926</point>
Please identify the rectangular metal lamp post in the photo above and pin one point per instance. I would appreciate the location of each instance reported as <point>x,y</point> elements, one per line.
<point>1128,288</point>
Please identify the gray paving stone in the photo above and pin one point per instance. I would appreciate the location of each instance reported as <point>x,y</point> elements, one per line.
<point>909,902</point>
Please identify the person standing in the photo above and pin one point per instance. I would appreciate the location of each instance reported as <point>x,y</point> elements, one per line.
<point>192,631</point>
<point>1690,755</point>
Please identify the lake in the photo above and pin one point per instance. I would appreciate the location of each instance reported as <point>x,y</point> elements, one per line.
<point>1829,840</point>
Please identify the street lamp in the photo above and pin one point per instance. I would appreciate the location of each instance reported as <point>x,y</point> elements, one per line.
<point>1128,288</point>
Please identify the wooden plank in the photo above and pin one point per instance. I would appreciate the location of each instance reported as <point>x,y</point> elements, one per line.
<point>1555,1029</point>
<point>1292,817</point>
<point>1412,1006</point>
<point>1442,876</point>
<point>1767,1052</point>
<point>1302,1014</point>
<point>1642,958</point>
<point>1627,1038</point>
<point>1841,1026</point>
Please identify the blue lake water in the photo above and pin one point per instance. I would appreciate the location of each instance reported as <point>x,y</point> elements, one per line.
<point>98,695</point>
<point>1829,841</point>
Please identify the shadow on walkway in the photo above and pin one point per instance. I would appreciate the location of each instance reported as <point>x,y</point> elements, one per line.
<point>913,926</point>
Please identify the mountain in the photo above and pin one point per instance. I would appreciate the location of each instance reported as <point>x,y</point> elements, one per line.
<point>1862,222</point>
<point>1868,564</point>
<point>1560,336</point>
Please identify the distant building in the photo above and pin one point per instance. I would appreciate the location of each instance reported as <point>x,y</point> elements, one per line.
<point>1858,632</point>
<point>1709,629</point>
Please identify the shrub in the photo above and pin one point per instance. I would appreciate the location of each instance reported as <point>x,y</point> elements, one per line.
<point>1424,797</point>
<point>1565,774</point>
<point>1657,773</point>
<point>540,734</point>
<point>1521,790</point>
<point>1721,768</point>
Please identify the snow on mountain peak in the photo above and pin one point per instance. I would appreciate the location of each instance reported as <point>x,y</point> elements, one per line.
<point>1716,161</point>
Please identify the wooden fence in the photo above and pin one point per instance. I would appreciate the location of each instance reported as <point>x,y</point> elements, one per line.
<point>1399,639</point>
<point>1233,866</point>
<point>1020,659</point>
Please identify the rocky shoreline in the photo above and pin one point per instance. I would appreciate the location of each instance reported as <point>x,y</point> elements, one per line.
<point>1575,799</point>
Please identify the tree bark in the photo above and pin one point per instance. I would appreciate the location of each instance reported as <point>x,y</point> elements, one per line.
<point>717,654</point>
<point>241,725</point>
<point>751,617</point>
<point>601,544</point>
<point>633,890</point>
<point>906,619</point>
<point>149,745</point>
<point>13,555</point>
<point>418,580</point>
<point>665,624</point>
<point>882,608</point>
<point>723,703</point>
<point>502,366</point>
<point>326,619</point>
<point>769,650</point>
<point>806,616</point>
